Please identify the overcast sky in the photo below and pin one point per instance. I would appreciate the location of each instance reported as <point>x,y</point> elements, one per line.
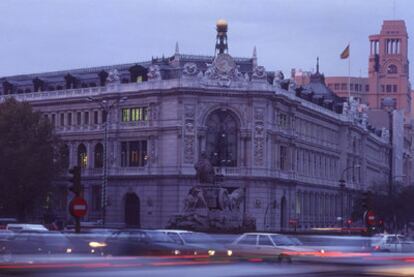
<point>49,35</point>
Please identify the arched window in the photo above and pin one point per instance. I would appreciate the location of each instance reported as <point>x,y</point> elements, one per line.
<point>82,156</point>
<point>98,156</point>
<point>222,137</point>
<point>392,69</point>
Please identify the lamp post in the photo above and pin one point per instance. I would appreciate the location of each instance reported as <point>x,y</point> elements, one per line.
<point>342,189</point>
<point>106,107</point>
<point>389,107</point>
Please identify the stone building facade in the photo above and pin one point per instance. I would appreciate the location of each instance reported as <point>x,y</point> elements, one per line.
<point>286,148</point>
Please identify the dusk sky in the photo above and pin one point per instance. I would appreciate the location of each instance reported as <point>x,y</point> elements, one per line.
<point>50,35</point>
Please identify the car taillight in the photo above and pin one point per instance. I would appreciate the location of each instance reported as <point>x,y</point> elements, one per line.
<point>377,247</point>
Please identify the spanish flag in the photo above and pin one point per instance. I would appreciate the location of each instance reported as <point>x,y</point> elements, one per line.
<point>345,53</point>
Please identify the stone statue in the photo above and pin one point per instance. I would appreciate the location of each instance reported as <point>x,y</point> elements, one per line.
<point>278,79</point>
<point>195,199</point>
<point>113,76</point>
<point>345,108</point>
<point>292,85</point>
<point>154,72</point>
<point>190,70</point>
<point>236,198</point>
<point>259,73</point>
<point>204,170</point>
<point>364,120</point>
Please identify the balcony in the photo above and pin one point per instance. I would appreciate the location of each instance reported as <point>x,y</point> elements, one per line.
<point>123,171</point>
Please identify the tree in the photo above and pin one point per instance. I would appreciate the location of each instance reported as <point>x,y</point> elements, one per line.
<point>393,207</point>
<point>31,157</point>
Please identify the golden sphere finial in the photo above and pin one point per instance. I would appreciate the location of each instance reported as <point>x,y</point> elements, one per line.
<point>221,25</point>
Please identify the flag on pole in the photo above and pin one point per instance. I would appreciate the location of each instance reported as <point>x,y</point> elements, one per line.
<point>345,53</point>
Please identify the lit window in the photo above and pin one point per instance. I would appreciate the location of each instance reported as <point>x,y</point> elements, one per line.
<point>134,153</point>
<point>82,156</point>
<point>134,114</point>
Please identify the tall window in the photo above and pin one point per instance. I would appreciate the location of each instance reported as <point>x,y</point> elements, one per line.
<point>98,156</point>
<point>134,153</point>
<point>134,114</point>
<point>86,118</point>
<point>79,118</point>
<point>283,120</point>
<point>62,119</point>
<point>222,136</point>
<point>69,119</point>
<point>283,158</point>
<point>95,117</point>
<point>82,156</point>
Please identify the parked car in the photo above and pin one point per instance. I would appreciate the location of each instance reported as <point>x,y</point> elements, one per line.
<point>6,220</point>
<point>142,243</point>
<point>268,246</point>
<point>202,243</point>
<point>29,227</point>
<point>392,243</point>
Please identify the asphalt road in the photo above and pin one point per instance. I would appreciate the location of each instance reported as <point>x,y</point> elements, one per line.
<point>382,265</point>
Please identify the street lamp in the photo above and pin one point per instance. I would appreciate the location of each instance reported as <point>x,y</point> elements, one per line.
<point>342,189</point>
<point>388,105</point>
<point>106,107</point>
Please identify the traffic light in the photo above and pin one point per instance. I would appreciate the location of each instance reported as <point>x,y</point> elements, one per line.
<point>75,180</point>
<point>366,200</point>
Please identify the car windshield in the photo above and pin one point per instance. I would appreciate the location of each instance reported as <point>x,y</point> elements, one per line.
<point>196,238</point>
<point>282,240</point>
<point>159,237</point>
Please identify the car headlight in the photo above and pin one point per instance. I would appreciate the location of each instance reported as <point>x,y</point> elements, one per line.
<point>95,244</point>
<point>229,253</point>
<point>68,250</point>
<point>177,252</point>
<point>211,252</point>
<point>322,251</point>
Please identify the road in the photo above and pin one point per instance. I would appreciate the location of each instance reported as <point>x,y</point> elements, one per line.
<point>378,265</point>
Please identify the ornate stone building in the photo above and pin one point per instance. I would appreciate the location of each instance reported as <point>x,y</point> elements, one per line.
<point>287,148</point>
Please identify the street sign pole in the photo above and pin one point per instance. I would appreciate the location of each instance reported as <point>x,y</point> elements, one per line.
<point>78,207</point>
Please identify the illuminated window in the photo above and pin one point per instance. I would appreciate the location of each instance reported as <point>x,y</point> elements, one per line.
<point>125,115</point>
<point>134,153</point>
<point>134,114</point>
<point>82,156</point>
<point>222,138</point>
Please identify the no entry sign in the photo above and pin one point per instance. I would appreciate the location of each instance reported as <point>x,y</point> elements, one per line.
<point>78,207</point>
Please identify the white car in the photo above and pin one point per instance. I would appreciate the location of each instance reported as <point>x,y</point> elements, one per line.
<point>26,227</point>
<point>392,243</point>
<point>268,245</point>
